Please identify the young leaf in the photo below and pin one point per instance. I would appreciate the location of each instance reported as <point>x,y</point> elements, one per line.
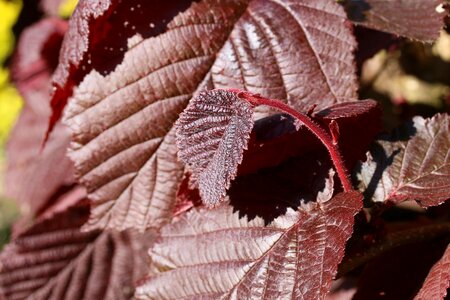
<point>413,163</point>
<point>295,257</point>
<point>54,260</point>
<point>416,19</point>
<point>438,280</point>
<point>123,141</point>
<point>33,176</point>
<point>212,134</point>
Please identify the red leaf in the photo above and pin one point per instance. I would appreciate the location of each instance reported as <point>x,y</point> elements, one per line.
<point>413,163</point>
<point>294,257</point>
<point>284,166</point>
<point>187,197</point>
<point>123,144</point>
<point>33,175</point>
<point>399,273</point>
<point>359,123</point>
<point>275,139</point>
<point>404,18</point>
<point>98,37</point>
<point>212,134</point>
<point>54,260</point>
<point>438,279</point>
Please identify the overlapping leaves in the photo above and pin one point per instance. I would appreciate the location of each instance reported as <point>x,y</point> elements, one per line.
<point>55,260</point>
<point>128,68</point>
<point>123,145</point>
<point>249,260</point>
<point>32,175</point>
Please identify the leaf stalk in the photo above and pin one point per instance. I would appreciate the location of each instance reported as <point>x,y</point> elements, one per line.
<point>319,132</point>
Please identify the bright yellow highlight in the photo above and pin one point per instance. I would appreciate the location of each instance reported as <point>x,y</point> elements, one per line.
<point>10,105</point>
<point>10,101</point>
<point>9,11</point>
<point>66,8</point>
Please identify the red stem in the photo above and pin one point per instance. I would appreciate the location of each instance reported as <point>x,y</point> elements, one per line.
<point>318,131</point>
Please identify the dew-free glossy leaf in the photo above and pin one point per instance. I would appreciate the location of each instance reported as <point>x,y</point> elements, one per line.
<point>437,282</point>
<point>214,254</point>
<point>55,260</point>
<point>123,141</point>
<point>413,163</point>
<point>416,19</point>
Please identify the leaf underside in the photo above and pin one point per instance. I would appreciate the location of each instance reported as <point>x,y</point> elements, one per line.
<point>212,134</point>
<point>123,141</point>
<point>413,163</point>
<point>212,254</point>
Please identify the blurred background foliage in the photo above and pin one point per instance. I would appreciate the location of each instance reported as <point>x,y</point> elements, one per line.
<point>10,105</point>
<point>409,78</point>
<point>10,100</point>
<point>66,8</point>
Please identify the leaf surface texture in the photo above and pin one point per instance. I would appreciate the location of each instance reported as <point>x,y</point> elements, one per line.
<point>214,254</point>
<point>413,163</point>
<point>122,122</point>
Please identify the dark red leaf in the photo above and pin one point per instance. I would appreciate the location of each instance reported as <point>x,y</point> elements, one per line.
<point>33,175</point>
<point>370,42</point>
<point>399,273</point>
<point>98,37</point>
<point>359,123</point>
<point>123,144</point>
<point>284,167</point>
<point>55,260</point>
<point>187,197</point>
<point>294,257</point>
<point>438,280</point>
<point>269,192</point>
<point>275,139</point>
<point>416,19</point>
<point>413,163</point>
<point>212,134</point>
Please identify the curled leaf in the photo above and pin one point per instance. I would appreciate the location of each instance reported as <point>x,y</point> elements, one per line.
<point>212,134</point>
